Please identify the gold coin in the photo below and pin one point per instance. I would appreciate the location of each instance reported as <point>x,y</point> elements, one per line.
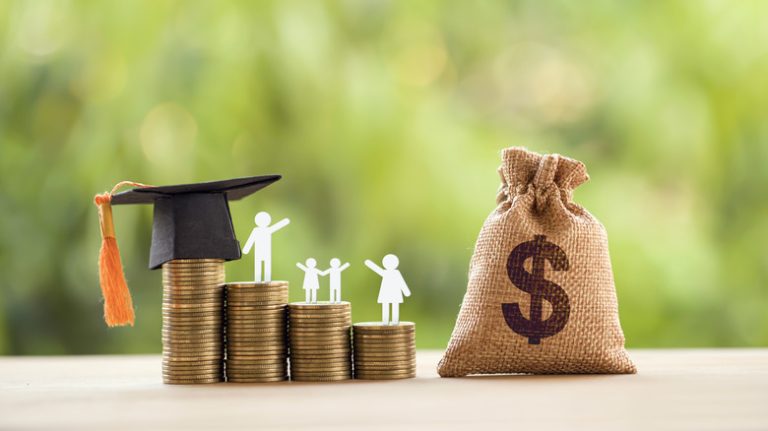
<point>257,367</point>
<point>325,305</point>
<point>392,358</point>
<point>172,381</point>
<point>385,337</point>
<point>257,331</point>
<point>193,295</point>
<point>257,318</point>
<point>298,375</point>
<point>237,374</point>
<point>197,362</point>
<point>318,312</point>
<point>195,274</point>
<point>192,342</point>
<point>372,347</point>
<point>377,347</point>
<point>299,347</point>
<point>319,320</point>
<point>258,301</point>
<point>190,357</point>
<point>270,315</point>
<point>193,367</point>
<point>321,366</point>
<point>256,370</point>
<point>319,344</point>
<point>257,293</point>
<point>201,311</point>
<point>268,357</point>
<point>237,356</point>
<point>390,372</point>
<point>202,369</point>
<point>202,332</point>
<point>360,352</point>
<point>185,306</point>
<point>192,373</point>
<point>198,341</point>
<point>267,304</point>
<point>201,353</point>
<point>258,324</point>
<point>320,373</point>
<point>321,379</point>
<point>192,288</point>
<point>392,367</point>
<point>337,369</point>
<point>379,326</point>
<point>234,308</point>
<point>254,349</point>
<point>319,335</point>
<point>192,327</point>
<point>257,284</point>
<point>321,357</point>
<point>397,377</point>
<point>239,379</point>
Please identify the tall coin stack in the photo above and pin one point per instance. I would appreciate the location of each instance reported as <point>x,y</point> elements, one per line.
<point>257,345</point>
<point>384,352</point>
<point>320,341</point>
<point>193,319</point>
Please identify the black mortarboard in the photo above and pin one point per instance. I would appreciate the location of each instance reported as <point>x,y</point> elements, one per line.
<point>192,221</point>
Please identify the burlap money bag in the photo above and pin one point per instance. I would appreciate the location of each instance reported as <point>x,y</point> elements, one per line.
<point>537,239</point>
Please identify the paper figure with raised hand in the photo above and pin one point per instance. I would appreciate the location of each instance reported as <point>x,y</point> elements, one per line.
<point>311,280</point>
<point>392,289</point>
<point>335,274</point>
<point>261,243</point>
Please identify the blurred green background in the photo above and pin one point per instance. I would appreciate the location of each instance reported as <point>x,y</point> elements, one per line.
<point>386,120</point>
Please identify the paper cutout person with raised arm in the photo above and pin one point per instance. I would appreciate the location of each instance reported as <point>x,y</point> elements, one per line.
<point>261,243</point>
<point>335,272</point>
<point>311,280</point>
<point>392,289</point>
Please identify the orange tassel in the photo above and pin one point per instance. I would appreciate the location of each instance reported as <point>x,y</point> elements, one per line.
<point>118,305</point>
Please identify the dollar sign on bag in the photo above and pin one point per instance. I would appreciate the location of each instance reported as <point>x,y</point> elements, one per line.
<point>534,283</point>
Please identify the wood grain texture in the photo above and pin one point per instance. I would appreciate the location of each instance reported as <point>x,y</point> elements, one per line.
<point>674,389</point>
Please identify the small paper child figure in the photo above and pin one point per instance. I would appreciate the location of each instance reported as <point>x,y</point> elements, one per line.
<point>392,289</point>
<point>261,243</point>
<point>311,280</point>
<point>335,273</point>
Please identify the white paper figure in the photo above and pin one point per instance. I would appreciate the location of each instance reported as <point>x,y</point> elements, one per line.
<point>392,289</point>
<point>335,272</point>
<point>261,243</point>
<point>311,280</point>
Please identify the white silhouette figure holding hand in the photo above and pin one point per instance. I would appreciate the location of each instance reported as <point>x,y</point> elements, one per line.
<point>392,289</point>
<point>335,272</point>
<point>261,243</point>
<point>311,280</point>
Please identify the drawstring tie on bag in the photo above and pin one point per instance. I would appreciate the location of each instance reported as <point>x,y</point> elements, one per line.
<point>118,305</point>
<point>544,180</point>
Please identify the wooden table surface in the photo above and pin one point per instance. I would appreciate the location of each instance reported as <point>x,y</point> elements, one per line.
<point>674,389</point>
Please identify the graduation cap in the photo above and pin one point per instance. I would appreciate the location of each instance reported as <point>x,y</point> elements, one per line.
<point>191,221</point>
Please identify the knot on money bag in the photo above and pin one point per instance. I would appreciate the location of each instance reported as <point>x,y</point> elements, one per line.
<point>545,179</point>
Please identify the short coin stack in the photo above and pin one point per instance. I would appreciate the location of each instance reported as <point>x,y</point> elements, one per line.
<point>320,343</point>
<point>257,345</point>
<point>193,319</point>
<point>384,352</point>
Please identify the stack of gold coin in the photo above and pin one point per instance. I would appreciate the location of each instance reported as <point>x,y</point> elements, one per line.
<point>320,344</point>
<point>257,343</point>
<point>384,352</point>
<point>193,320</point>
